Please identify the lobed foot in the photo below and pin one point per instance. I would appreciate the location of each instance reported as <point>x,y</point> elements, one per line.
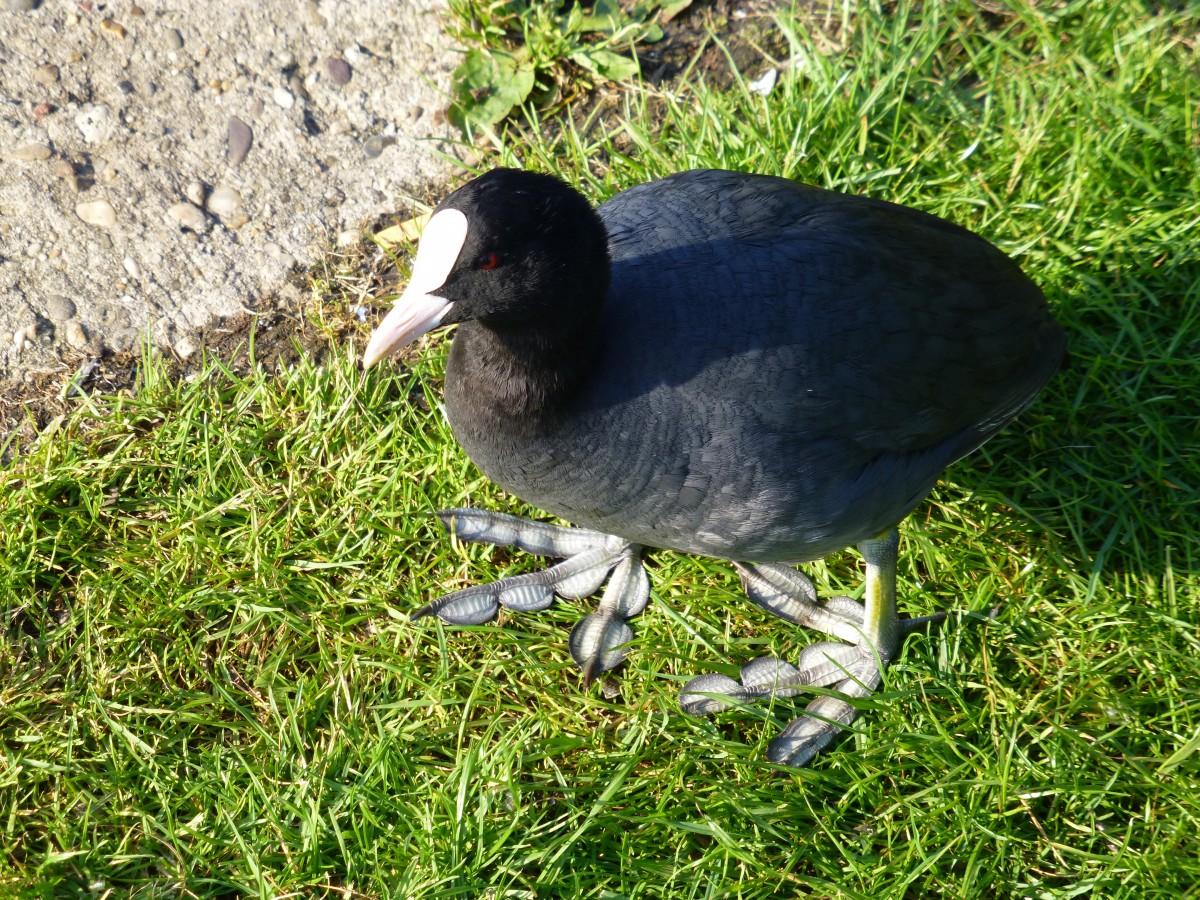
<point>790,594</point>
<point>872,632</point>
<point>598,641</point>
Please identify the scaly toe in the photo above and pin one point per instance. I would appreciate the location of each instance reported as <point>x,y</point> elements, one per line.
<point>820,664</point>
<point>502,530</point>
<point>470,606</point>
<point>789,594</point>
<point>589,557</point>
<point>711,693</point>
<point>598,643</point>
<point>806,736</point>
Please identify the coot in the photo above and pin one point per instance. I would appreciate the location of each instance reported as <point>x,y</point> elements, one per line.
<point>734,365</point>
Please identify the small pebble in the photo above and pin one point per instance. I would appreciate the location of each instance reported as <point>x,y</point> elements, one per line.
<point>189,217</point>
<point>31,152</point>
<point>764,85</point>
<point>123,339</point>
<point>233,223</point>
<point>60,308</point>
<point>95,124</point>
<point>46,75</point>
<point>338,70</point>
<point>63,169</point>
<point>41,110</point>
<point>277,253</point>
<point>116,29</point>
<point>131,267</point>
<point>76,334</point>
<point>224,201</point>
<point>239,140</point>
<point>285,60</point>
<point>136,11</point>
<point>194,191</point>
<point>97,212</point>
<point>283,98</point>
<point>113,316</point>
<point>172,39</point>
<point>375,145</point>
<point>125,87</point>
<point>184,347</point>
<point>21,5</point>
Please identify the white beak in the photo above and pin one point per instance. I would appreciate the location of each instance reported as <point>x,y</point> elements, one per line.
<point>417,310</point>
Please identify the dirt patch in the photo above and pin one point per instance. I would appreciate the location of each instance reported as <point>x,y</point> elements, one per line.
<point>721,40</point>
<point>37,403</point>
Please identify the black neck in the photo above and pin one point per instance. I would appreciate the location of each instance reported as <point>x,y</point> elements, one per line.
<point>517,380</point>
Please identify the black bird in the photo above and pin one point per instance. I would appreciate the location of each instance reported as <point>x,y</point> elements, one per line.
<point>734,365</point>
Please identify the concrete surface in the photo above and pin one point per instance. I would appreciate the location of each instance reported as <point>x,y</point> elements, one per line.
<point>129,198</point>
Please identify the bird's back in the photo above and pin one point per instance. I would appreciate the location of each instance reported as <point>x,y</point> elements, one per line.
<point>784,370</point>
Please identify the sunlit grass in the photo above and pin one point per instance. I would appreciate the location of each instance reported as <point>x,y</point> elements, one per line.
<point>209,685</point>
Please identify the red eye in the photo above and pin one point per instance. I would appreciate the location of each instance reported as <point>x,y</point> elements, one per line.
<point>489,261</point>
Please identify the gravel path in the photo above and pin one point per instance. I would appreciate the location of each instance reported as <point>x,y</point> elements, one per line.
<point>165,163</point>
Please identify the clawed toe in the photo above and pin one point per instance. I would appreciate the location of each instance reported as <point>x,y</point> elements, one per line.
<point>805,737</point>
<point>480,603</point>
<point>851,669</point>
<point>502,530</point>
<point>598,642</point>
<point>762,677</point>
<point>789,594</point>
<point>819,665</point>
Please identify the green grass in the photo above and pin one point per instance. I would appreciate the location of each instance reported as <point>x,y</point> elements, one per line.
<point>209,686</point>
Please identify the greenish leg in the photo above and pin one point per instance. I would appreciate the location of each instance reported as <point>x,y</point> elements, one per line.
<point>826,716</point>
<point>881,624</point>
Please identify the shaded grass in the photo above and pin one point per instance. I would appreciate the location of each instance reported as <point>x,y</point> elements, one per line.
<point>209,686</point>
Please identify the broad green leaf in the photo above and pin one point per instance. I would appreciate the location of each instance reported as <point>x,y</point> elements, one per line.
<point>606,17</point>
<point>606,63</point>
<point>487,85</point>
<point>651,33</point>
<point>672,8</point>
